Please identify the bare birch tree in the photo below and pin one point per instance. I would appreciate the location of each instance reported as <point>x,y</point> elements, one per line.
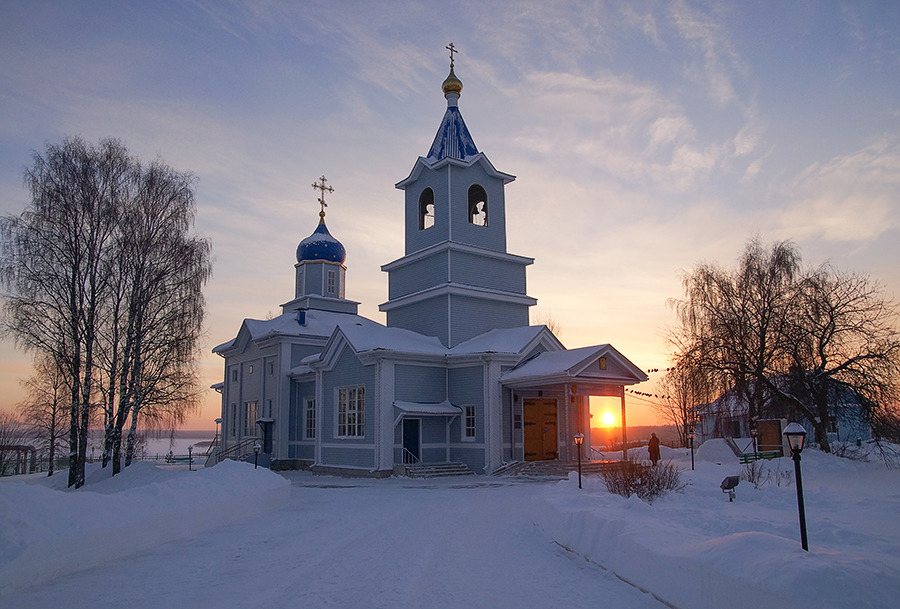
<point>45,407</point>
<point>103,275</point>
<point>782,336</point>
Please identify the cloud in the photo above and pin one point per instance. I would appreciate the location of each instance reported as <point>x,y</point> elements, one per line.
<point>715,56</point>
<point>853,197</point>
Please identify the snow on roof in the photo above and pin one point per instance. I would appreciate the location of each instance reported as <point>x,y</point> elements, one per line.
<point>574,363</point>
<point>371,338</point>
<point>504,340</point>
<point>554,362</point>
<point>316,323</point>
<point>428,408</point>
<point>452,139</point>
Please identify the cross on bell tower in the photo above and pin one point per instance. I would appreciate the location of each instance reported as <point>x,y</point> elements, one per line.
<point>452,50</point>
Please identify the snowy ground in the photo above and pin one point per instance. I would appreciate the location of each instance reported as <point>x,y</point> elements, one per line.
<point>232,536</point>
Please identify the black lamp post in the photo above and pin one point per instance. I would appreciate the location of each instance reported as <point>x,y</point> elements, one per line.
<point>691,436</point>
<point>579,440</point>
<point>754,433</point>
<point>191,458</point>
<point>795,435</point>
<point>256,448</point>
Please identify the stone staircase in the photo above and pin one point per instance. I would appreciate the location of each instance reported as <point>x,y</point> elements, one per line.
<point>437,470</point>
<point>555,469</point>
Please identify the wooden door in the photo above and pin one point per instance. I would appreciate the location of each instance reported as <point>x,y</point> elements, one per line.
<point>540,429</point>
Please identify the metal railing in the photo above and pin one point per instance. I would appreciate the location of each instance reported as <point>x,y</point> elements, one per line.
<point>409,458</point>
<point>236,451</point>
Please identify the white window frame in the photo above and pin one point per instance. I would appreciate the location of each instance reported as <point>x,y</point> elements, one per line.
<point>331,281</point>
<point>350,421</point>
<point>469,429</point>
<point>309,419</point>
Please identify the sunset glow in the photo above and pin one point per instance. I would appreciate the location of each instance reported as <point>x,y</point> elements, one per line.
<point>608,419</point>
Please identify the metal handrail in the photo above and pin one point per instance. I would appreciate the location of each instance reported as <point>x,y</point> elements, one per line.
<point>408,457</point>
<point>235,451</point>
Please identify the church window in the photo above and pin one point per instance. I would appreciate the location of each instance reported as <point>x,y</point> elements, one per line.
<point>478,209</point>
<point>251,369</point>
<point>251,412</point>
<point>332,280</point>
<point>601,363</point>
<point>426,209</point>
<point>269,408</point>
<point>234,420</point>
<point>469,427</point>
<point>351,412</point>
<point>234,375</point>
<point>271,368</point>
<point>310,418</point>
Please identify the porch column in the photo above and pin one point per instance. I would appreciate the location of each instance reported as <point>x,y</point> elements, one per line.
<point>624,428</point>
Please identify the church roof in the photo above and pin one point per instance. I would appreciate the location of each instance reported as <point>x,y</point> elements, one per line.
<point>315,323</point>
<point>504,340</point>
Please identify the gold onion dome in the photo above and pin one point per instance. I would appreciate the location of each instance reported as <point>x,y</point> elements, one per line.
<point>452,84</point>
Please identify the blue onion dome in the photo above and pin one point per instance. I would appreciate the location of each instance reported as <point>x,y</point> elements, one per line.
<point>321,246</point>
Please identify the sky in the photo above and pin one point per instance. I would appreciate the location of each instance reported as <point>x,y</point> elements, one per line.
<point>646,138</point>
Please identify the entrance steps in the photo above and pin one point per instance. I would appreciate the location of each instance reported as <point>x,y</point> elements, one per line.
<point>556,469</point>
<point>437,470</point>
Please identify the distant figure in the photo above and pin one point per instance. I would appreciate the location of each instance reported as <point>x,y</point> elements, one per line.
<point>653,446</point>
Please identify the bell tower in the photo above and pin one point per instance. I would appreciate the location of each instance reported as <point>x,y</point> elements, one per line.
<point>456,279</point>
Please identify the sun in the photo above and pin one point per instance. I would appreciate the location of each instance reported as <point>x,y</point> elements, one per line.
<point>608,419</point>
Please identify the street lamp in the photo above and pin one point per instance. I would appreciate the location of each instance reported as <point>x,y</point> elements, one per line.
<point>754,433</point>
<point>579,440</point>
<point>691,434</point>
<point>191,458</point>
<point>256,448</point>
<point>795,435</point>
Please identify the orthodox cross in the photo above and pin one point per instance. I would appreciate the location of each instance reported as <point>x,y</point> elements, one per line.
<point>322,188</point>
<point>452,50</point>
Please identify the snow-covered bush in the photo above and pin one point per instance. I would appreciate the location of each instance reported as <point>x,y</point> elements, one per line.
<point>648,482</point>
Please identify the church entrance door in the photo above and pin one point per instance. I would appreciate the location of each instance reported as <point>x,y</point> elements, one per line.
<point>540,429</point>
<point>412,454</point>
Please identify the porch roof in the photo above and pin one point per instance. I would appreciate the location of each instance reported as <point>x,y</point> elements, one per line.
<point>444,408</point>
<point>580,366</point>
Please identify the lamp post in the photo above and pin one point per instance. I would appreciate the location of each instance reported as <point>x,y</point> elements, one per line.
<point>579,439</point>
<point>795,435</point>
<point>691,433</point>
<point>191,458</point>
<point>754,433</point>
<point>256,448</point>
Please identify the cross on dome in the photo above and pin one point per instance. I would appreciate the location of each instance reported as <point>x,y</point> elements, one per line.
<point>322,188</point>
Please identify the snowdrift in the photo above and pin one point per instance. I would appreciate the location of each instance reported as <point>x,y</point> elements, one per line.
<point>46,532</point>
<point>694,549</point>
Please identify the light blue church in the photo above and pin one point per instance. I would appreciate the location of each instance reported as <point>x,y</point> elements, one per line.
<point>457,376</point>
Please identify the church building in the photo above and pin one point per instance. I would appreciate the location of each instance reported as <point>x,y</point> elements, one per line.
<point>457,374</point>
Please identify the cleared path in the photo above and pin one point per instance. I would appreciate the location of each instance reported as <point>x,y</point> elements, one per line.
<point>466,543</point>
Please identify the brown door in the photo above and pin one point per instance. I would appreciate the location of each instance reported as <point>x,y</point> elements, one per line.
<point>540,429</point>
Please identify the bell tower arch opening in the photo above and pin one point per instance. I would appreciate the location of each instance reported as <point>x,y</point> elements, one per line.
<point>478,205</point>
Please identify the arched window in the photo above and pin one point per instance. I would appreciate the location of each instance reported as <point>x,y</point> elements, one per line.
<point>478,206</point>
<point>426,209</point>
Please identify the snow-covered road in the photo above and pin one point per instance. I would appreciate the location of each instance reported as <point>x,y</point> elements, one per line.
<point>349,543</point>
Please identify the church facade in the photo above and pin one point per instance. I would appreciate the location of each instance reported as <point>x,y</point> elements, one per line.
<point>457,374</point>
